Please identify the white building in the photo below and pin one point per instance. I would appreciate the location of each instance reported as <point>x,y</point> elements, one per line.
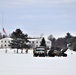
<point>37,42</point>
<point>4,42</point>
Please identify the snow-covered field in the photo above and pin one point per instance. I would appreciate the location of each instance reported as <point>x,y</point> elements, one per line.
<point>25,64</point>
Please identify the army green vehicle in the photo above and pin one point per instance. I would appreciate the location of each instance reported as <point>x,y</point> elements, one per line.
<point>39,51</point>
<point>56,51</point>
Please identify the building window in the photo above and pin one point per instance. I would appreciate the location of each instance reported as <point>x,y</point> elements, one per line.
<point>5,45</point>
<point>8,41</point>
<point>36,41</point>
<point>32,41</point>
<point>5,41</point>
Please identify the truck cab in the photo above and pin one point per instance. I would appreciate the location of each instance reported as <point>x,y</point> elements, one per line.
<point>39,51</point>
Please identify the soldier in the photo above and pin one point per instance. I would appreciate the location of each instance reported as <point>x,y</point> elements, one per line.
<point>26,50</point>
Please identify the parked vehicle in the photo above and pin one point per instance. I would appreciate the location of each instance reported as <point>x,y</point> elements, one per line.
<point>39,51</point>
<point>57,52</point>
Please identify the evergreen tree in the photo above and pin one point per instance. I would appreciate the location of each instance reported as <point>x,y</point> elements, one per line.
<point>43,43</point>
<point>19,40</point>
<point>68,35</point>
<point>68,38</point>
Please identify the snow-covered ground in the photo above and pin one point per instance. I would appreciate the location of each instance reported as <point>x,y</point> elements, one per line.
<point>25,64</point>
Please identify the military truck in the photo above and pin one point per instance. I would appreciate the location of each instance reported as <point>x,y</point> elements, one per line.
<point>56,51</point>
<point>39,51</point>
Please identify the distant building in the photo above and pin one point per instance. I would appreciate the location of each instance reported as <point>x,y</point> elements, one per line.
<point>4,42</point>
<point>37,42</point>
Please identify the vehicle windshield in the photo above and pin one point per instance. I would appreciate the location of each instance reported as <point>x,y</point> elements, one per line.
<point>40,49</point>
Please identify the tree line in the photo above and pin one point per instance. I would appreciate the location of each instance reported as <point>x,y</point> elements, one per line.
<point>20,40</point>
<point>67,41</point>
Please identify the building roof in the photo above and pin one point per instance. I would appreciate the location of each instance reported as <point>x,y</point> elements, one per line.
<point>46,39</point>
<point>6,38</point>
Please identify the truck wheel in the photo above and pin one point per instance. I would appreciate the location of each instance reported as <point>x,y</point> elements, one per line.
<point>35,55</point>
<point>64,55</point>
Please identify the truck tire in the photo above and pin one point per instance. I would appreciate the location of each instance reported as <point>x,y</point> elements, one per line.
<point>35,55</point>
<point>64,55</point>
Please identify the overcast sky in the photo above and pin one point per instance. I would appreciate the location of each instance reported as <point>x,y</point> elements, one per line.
<point>35,17</point>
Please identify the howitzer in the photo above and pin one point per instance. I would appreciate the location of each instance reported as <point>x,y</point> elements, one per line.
<point>56,51</point>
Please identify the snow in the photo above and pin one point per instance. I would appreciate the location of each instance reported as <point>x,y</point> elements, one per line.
<point>25,64</point>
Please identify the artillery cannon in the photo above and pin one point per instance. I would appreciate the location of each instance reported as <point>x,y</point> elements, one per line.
<point>56,51</point>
